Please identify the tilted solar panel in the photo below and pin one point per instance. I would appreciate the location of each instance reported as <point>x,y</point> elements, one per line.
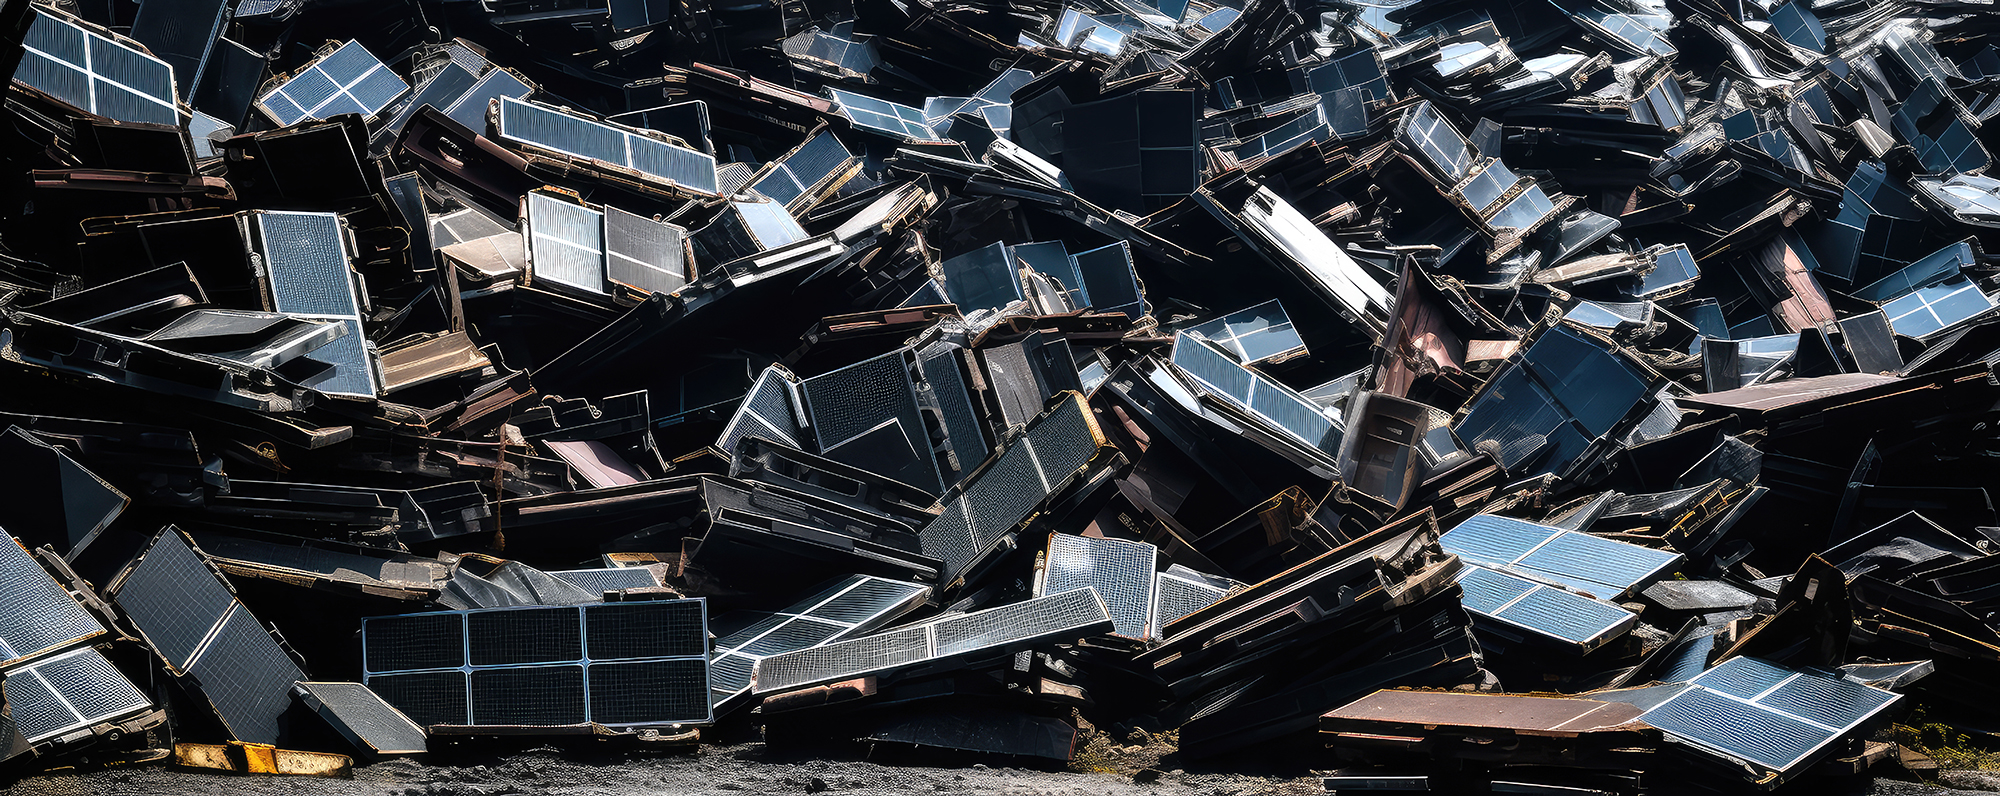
<point>68,692</point>
<point>91,71</point>
<point>1121,571</point>
<point>348,80</point>
<point>40,616</point>
<point>852,606</point>
<point>565,134</point>
<point>989,505</point>
<point>1769,716</point>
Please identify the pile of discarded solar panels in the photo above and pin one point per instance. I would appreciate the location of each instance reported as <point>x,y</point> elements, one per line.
<point>1545,397</point>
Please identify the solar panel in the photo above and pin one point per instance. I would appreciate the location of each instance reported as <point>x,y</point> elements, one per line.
<point>41,616</point>
<point>866,415</point>
<point>1770,716</point>
<point>68,692</point>
<point>980,512</point>
<point>769,412</point>
<point>1111,283</point>
<point>900,121</point>
<point>1438,144</point>
<point>470,108</point>
<point>189,617</point>
<point>1928,311</point>
<point>306,257</point>
<point>983,279</point>
<point>1121,571</point>
<point>1273,403</point>
<point>1488,186</point>
<point>937,362</point>
<point>1551,613</point>
<point>1673,267</point>
<point>1936,267</point>
<point>1057,617</point>
<point>614,664</point>
<point>1603,567</point>
<point>1278,224</point>
<point>1177,592</point>
<point>92,71</point>
<point>1257,334</point>
<point>565,243</point>
<point>1797,25</point>
<point>852,606</point>
<point>374,726</point>
<point>598,581</point>
<point>566,134</point>
<point>347,80</point>
<point>797,179</point>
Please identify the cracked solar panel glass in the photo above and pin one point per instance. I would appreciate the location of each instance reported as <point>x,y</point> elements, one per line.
<point>847,404</point>
<point>565,243</point>
<point>767,412</point>
<point>1005,491</point>
<point>1251,391</point>
<point>815,162</point>
<point>1930,310</point>
<point>855,604</point>
<point>1056,617</point>
<point>247,677</point>
<point>68,692</point>
<point>529,666</point>
<point>1254,335</point>
<point>1121,572</point>
<point>1768,715</point>
<point>1440,145</point>
<point>363,716</point>
<point>565,134</point>
<point>348,80</point>
<point>95,73</point>
<point>642,254</point>
<point>1530,606</point>
<point>901,121</point>
<point>41,615</point>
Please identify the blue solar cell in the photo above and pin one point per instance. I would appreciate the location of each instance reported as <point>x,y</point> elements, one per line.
<point>1736,729</point>
<point>1743,677</point>
<point>1566,616</point>
<point>1499,541</point>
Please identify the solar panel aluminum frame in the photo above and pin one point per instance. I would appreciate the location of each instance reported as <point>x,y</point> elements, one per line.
<point>917,648</point>
<point>280,115</point>
<point>583,663</point>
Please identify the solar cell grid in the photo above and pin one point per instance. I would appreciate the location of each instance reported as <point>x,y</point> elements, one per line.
<point>348,80</point>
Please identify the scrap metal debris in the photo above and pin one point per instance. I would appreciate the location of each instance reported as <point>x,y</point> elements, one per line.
<point>1525,397</point>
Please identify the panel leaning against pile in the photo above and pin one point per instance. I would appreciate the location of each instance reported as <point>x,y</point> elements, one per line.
<point>1530,396</point>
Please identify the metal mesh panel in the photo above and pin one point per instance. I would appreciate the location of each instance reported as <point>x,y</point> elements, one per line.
<point>36,710</point>
<point>1064,441</point>
<point>651,692</point>
<point>174,599</point>
<point>729,674</point>
<point>854,399</point>
<point>867,600</point>
<point>419,641</point>
<point>528,635</point>
<point>1176,597</point>
<point>598,581</point>
<point>797,634</point>
<point>954,404</point>
<point>621,631</point>
<point>766,412</point>
<point>426,697</point>
<point>1120,571</point>
<point>845,659</point>
<point>567,243</point>
<point>1020,622</point>
<point>94,688</point>
<point>307,263</point>
<point>40,615</point>
<point>539,696</point>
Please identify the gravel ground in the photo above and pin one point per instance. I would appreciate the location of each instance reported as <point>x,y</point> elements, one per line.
<point>740,770</point>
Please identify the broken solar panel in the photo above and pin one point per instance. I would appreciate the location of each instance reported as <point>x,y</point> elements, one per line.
<point>852,606</point>
<point>1121,572</point>
<point>1547,410</point>
<point>619,149</point>
<point>613,664</point>
<point>1263,333</point>
<point>1602,567</point>
<point>192,620</point>
<point>982,512</point>
<point>1274,223</point>
<point>348,80</point>
<point>42,616</point>
<point>1524,605</point>
<point>90,70</point>
<point>884,117</point>
<point>1765,715</point>
<point>1058,617</point>
<point>599,581</point>
<point>306,257</point>
<point>1179,591</point>
<point>866,415</point>
<point>64,693</point>
<point>1925,312</point>
<point>806,174</point>
<point>375,727</point>
<point>1274,404</point>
